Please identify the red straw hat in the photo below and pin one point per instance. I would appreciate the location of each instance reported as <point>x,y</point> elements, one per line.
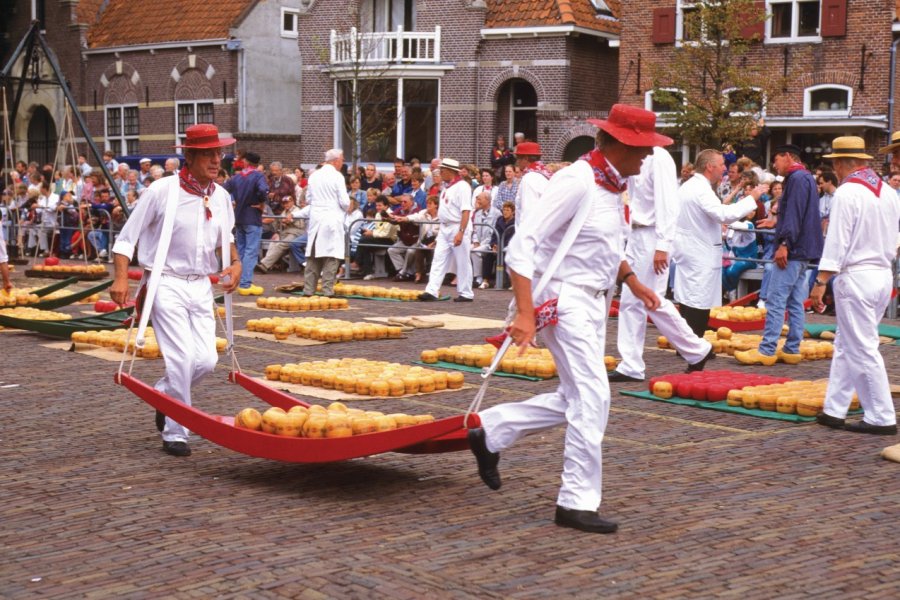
<point>528,149</point>
<point>204,135</point>
<point>632,126</point>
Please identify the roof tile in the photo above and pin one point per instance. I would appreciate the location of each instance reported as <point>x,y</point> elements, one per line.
<point>126,23</point>
<point>538,13</point>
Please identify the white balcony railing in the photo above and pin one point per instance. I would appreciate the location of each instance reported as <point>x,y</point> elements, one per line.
<point>385,47</point>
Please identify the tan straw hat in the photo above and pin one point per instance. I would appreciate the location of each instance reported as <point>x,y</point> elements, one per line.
<point>895,143</point>
<point>848,146</point>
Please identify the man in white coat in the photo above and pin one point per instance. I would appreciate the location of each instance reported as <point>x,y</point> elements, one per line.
<point>698,239</point>
<point>326,195</point>
<point>588,271</point>
<point>859,248</point>
<point>653,208</point>
<point>454,238</point>
<point>535,178</point>
<point>182,311</point>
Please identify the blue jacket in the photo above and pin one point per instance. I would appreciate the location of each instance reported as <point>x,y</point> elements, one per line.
<point>248,191</point>
<point>799,225</point>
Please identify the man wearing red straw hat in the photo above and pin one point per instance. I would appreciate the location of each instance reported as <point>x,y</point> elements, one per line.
<point>535,177</point>
<point>578,281</point>
<point>182,311</point>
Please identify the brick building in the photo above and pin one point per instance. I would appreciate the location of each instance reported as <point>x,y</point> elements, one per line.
<point>836,56</point>
<point>444,78</point>
<point>141,72</point>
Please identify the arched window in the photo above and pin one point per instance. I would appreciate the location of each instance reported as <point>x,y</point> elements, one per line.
<point>517,104</point>
<point>827,100</point>
<point>193,102</point>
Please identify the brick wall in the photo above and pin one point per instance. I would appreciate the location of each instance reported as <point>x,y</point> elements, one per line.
<point>833,60</point>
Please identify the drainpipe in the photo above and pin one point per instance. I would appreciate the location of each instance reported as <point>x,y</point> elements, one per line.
<point>476,130</point>
<point>893,86</point>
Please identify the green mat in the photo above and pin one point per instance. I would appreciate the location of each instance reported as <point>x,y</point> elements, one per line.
<point>468,369</point>
<point>723,407</point>
<point>378,299</point>
<point>816,329</point>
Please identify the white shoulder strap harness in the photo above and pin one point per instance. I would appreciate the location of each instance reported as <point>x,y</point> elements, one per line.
<point>575,227</point>
<point>156,270</point>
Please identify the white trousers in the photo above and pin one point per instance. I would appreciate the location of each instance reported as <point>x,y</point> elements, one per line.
<point>861,298</point>
<point>185,328</point>
<point>581,400</point>
<point>444,250</point>
<point>633,314</point>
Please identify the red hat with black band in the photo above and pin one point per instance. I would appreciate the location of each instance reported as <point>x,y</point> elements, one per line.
<point>203,136</point>
<point>632,126</point>
<point>527,149</point>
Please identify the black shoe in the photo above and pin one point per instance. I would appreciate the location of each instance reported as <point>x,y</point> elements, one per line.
<point>584,520</point>
<point>463,299</point>
<point>160,421</point>
<point>426,297</point>
<point>863,427</point>
<point>698,366</point>
<point>177,448</point>
<point>260,269</point>
<point>829,421</point>
<point>617,377</point>
<point>487,460</point>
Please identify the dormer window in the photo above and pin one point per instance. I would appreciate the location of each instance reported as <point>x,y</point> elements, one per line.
<point>828,100</point>
<point>602,8</point>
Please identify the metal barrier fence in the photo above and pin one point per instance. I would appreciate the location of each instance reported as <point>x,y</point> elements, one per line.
<point>18,231</point>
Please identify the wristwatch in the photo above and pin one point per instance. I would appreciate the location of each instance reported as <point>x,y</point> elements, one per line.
<point>818,283</point>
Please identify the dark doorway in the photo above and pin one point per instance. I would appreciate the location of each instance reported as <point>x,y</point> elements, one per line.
<point>578,147</point>
<point>517,104</point>
<point>41,137</point>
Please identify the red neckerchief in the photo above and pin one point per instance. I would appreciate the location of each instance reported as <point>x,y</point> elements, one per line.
<point>866,177</point>
<point>795,167</point>
<point>247,170</point>
<point>456,180</point>
<point>537,167</point>
<point>190,184</point>
<point>604,176</point>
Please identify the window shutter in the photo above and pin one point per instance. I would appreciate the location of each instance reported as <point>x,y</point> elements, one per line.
<point>756,31</point>
<point>834,18</point>
<point>663,25</point>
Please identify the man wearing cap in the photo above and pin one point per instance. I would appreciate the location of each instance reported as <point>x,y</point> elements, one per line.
<point>328,201</point>
<point>698,239</point>
<point>859,248</point>
<point>249,190</point>
<point>590,269</point>
<point>535,177</point>
<point>894,150</point>
<point>182,312</point>
<point>798,242</point>
<point>144,173</point>
<point>454,236</point>
<point>653,209</point>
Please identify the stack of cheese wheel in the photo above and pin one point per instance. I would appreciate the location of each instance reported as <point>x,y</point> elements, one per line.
<point>707,386</point>
<point>325,330</point>
<point>374,291</point>
<point>805,398</point>
<point>18,297</point>
<point>365,377</point>
<point>738,314</point>
<point>336,421</point>
<point>34,314</point>
<point>83,269</point>
<point>726,341</point>
<point>302,303</point>
<point>119,340</point>
<point>534,362</point>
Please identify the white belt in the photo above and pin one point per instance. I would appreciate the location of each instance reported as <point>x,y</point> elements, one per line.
<point>857,268</point>
<point>192,277</point>
<point>592,291</point>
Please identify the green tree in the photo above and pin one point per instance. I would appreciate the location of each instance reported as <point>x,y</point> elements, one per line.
<point>712,93</point>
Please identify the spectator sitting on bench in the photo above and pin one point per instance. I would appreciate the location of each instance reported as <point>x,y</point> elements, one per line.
<point>290,227</point>
<point>383,234</point>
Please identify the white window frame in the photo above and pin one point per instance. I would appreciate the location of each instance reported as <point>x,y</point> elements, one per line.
<point>809,111</point>
<point>287,33</point>
<point>662,116</point>
<point>762,110</point>
<point>795,24</point>
<point>120,139</point>
<point>179,138</point>
<point>679,23</point>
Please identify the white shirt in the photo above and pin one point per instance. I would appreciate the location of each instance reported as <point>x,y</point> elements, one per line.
<point>47,207</point>
<point>825,205</point>
<point>531,187</point>
<point>654,197</point>
<point>195,240</point>
<point>455,200</point>
<point>328,201</point>
<point>480,189</point>
<point>862,229</point>
<point>4,257</point>
<point>86,169</point>
<point>595,256</point>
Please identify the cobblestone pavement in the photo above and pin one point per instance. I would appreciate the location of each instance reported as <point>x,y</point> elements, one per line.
<point>709,504</point>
